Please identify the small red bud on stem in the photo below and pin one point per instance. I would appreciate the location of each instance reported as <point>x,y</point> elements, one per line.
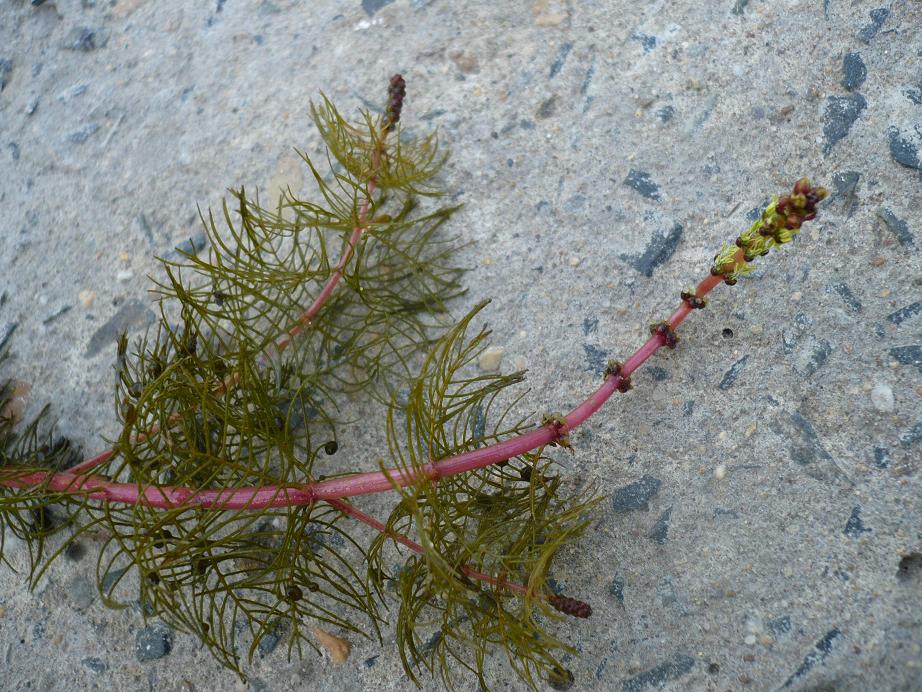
<point>570,606</point>
<point>396,92</point>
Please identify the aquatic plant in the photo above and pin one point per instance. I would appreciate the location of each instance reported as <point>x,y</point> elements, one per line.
<point>224,507</point>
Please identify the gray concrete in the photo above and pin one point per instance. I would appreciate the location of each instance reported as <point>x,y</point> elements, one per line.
<point>604,151</point>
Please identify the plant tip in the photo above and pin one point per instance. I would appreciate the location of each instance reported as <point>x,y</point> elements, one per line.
<point>396,91</point>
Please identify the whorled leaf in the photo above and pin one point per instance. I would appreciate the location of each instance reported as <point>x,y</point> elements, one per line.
<point>505,522</point>
<point>30,513</point>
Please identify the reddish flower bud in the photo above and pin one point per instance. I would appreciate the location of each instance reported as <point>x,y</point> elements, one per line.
<point>802,186</point>
<point>396,91</point>
<point>570,606</point>
<point>693,301</point>
<point>665,331</point>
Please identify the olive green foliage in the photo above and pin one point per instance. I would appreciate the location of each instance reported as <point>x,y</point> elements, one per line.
<point>25,513</point>
<point>215,397</point>
<point>506,520</point>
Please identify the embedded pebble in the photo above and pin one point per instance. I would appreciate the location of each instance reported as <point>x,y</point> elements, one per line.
<point>81,592</point>
<point>337,647</point>
<point>882,397</point>
<point>750,639</point>
<point>637,495</point>
<point>898,227</point>
<point>878,17</point>
<point>491,358</point>
<point>550,12</point>
<point>153,642</point>
<point>720,472</point>
<point>6,69</point>
<point>854,527</point>
<point>660,531</point>
<point>83,134</point>
<point>642,182</point>
<point>654,678</point>
<point>813,356</point>
<point>907,355</point>
<point>86,39</point>
<point>854,71</point>
<point>124,275</point>
<point>71,92</point>
<point>661,247</point>
<point>841,113</point>
<point>87,297</point>
<point>616,588</point>
<point>271,639</point>
<point>903,149</point>
<point>95,664</point>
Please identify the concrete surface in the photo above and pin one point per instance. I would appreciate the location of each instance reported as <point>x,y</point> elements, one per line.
<point>764,477</point>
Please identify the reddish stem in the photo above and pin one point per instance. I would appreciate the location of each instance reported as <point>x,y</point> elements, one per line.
<point>261,497</point>
<point>417,548</point>
<point>334,279</point>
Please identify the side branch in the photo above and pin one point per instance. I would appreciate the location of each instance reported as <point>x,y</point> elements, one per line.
<point>568,606</point>
<point>314,308</point>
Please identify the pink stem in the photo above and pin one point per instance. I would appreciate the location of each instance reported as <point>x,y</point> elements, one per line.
<point>417,548</point>
<point>327,290</point>
<point>261,497</point>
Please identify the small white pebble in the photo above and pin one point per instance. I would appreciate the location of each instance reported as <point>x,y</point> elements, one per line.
<point>491,358</point>
<point>574,261</point>
<point>87,297</point>
<point>787,571</point>
<point>754,625</point>
<point>720,472</point>
<point>750,639</point>
<point>124,275</point>
<point>487,261</point>
<point>523,334</point>
<point>882,397</point>
<point>885,293</point>
<point>796,296</point>
<point>521,363</point>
